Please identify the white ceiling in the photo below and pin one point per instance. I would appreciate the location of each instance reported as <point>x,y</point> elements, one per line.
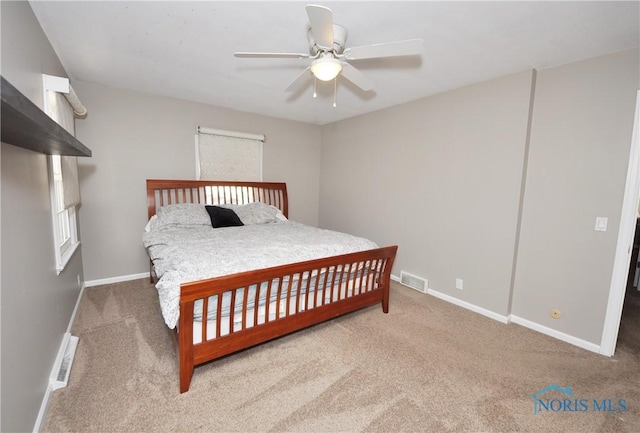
<point>185,49</point>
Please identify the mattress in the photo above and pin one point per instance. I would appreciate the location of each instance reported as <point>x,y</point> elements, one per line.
<point>185,254</point>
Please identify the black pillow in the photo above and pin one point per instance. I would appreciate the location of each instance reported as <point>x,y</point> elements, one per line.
<point>223,217</point>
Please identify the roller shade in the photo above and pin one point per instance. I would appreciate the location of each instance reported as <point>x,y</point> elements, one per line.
<point>228,155</point>
<point>60,110</point>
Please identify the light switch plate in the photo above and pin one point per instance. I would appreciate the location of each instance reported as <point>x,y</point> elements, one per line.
<point>601,224</point>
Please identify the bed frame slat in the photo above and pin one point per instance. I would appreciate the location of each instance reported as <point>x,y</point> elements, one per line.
<point>205,308</point>
<point>164,192</point>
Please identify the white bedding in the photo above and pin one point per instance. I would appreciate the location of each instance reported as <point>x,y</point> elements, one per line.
<point>191,254</point>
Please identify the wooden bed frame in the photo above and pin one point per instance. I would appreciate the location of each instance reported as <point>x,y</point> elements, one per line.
<point>371,286</point>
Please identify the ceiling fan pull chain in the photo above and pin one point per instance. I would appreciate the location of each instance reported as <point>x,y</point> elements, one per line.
<point>335,91</point>
<point>315,84</point>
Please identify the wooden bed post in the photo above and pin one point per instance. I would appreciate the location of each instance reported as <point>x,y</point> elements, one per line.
<point>386,280</point>
<point>185,344</point>
<point>385,299</point>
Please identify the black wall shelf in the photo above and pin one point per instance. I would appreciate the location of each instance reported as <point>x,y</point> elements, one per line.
<point>25,125</point>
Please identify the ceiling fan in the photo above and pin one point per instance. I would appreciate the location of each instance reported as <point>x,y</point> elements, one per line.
<point>329,56</point>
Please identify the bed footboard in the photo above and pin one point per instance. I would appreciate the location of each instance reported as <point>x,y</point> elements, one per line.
<point>234,312</point>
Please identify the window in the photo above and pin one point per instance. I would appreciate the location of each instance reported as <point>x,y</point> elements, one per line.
<point>228,155</point>
<point>64,224</point>
<point>63,172</point>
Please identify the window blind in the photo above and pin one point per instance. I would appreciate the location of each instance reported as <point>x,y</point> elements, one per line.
<point>62,112</point>
<point>228,155</point>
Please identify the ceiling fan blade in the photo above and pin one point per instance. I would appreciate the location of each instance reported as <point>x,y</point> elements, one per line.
<point>409,47</point>
<point>356,77</point>
<point>244,54</point>
<point>321,20</point>
<point>300,80</point>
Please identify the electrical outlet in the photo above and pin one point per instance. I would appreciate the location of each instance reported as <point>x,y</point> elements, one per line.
<point>555,313</point>
<point>459,283</point>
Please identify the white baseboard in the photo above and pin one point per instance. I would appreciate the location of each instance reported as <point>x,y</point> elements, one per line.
<point>556,334</point>
<point>469,306</point>
<point>583,344</point>
<point>464,304</point>
<point>56,364</point>
<point>43,408</point>
<point>119,279</point>
<point>75,308</point>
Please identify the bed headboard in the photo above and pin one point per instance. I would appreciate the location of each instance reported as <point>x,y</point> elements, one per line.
<point>162,192</point>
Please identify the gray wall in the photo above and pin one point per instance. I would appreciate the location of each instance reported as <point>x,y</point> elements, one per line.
<point>580,141</point>
<point>135,136</point>
<point>36,303</point>
<point>442,178</point>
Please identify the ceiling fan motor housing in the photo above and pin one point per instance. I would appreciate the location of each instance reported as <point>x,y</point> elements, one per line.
<point>327,52</point>
<point>339,39</point>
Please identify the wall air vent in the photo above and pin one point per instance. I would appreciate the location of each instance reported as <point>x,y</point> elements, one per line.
<point>60,378</point>
<point>413,281</point>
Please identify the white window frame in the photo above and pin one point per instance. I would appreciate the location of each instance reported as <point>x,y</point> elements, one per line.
<point>239,135</point>
<point>64,220</point>
<point>65,227</point>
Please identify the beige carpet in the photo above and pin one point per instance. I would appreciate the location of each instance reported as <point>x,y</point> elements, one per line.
<point>427,366</point>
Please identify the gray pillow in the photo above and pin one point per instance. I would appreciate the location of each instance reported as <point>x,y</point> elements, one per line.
<point>254,213</point>
<point>183,215</point>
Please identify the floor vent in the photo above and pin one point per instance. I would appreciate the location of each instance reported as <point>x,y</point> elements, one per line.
<point>413,281</point>
<point>62,377</point>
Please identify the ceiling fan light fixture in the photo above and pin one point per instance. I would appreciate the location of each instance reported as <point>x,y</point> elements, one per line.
<point>329,57</point>
<point>326,68</point>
